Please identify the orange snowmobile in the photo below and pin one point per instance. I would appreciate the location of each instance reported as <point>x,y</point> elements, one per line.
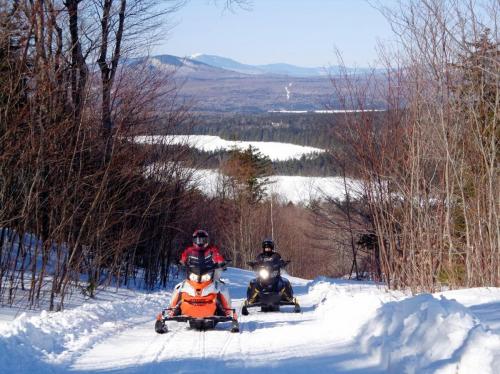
<point>201,299</point>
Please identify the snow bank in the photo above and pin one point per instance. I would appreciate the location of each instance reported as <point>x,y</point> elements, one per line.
<point>345,327</point>
<point>424,334</point>
<point>274,150</point>
<point>473,296</point>
<point>49,341</point>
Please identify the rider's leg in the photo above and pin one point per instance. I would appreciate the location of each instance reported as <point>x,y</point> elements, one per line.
<point>287,291</point>
<point>224,301</point>
<point>252,291</point>
<point>175,303</point>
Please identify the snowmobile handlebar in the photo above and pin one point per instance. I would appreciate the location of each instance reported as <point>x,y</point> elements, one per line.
<point>218,265</point>
<point>253,264</point>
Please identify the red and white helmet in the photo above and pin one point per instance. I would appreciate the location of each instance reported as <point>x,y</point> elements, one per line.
<point>200,238</point>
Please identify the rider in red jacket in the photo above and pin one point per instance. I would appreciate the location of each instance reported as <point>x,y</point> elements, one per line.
<point>201,244</point>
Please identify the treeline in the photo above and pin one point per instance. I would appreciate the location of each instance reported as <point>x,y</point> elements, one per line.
<point>429,212</point>
<point>82,206</point>
<point>78,199</point>
<point>310,129</point>
<point>242,213</point>
<point>318,165</point>
<point>315,165</point>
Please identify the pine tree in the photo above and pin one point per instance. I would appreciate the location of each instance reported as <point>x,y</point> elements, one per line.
<point>249,169</point>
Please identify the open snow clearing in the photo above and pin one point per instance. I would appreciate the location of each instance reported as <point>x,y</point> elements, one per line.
<point>344,327</point>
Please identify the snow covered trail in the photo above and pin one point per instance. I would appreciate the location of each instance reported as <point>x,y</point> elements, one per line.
<point>282,341</point>
<point>344,327</point>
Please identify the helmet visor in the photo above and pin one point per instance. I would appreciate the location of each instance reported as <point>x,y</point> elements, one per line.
<point>267,245</point>
<point>200,240</point>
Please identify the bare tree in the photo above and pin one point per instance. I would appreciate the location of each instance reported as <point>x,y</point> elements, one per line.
<point>429,163</point>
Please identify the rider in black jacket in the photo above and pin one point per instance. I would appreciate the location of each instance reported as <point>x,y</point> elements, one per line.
<point>268,254</point>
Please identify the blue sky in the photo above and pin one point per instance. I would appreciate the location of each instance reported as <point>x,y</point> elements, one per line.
<point>301,32</point>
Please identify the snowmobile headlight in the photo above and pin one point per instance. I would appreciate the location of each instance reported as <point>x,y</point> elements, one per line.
<point>263,273</point>
<point>206,277</point>
<point>193,277</point>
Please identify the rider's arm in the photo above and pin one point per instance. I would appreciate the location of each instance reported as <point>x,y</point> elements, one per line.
<point>217,257</point>
<point>184,257</point>
<point>277,258</point>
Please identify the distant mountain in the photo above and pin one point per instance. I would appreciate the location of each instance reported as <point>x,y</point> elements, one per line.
<point>184,67</point>
<point>219,84</point>
<point>272,69</point>
<point>226,63</point>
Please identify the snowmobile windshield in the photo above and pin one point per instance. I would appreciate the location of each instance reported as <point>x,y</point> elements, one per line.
<point>271,262</point>
<point>201,265</point>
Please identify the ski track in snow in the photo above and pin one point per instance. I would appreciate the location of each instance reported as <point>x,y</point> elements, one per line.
<point>344,327</point>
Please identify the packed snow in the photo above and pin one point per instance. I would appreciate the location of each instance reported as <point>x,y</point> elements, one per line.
<point>209,143</point>
<point>344,327</point>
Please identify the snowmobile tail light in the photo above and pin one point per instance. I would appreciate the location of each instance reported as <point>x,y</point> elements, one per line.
<point>263,273</point>
<point>193,277</point>
<point>206,277</point>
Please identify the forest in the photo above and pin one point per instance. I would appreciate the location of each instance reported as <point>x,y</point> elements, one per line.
<point>83,207</point>
<point>311,129</point>
<point>316,165</point>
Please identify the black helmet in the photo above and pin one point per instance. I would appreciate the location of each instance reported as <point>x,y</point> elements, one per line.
<point>267,243</point>
<point>200,238</point>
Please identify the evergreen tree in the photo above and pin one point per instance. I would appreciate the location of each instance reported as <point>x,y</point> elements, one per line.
<point>249,169</point>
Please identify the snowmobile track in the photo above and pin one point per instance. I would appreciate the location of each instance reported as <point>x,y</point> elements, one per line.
<point>226,344</point>
<point>171,334</point>
<point>201,344</point>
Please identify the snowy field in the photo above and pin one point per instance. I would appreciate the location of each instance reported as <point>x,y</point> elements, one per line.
<point>289,188</point>
<point>344,327</point>
<point>208,143</point>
